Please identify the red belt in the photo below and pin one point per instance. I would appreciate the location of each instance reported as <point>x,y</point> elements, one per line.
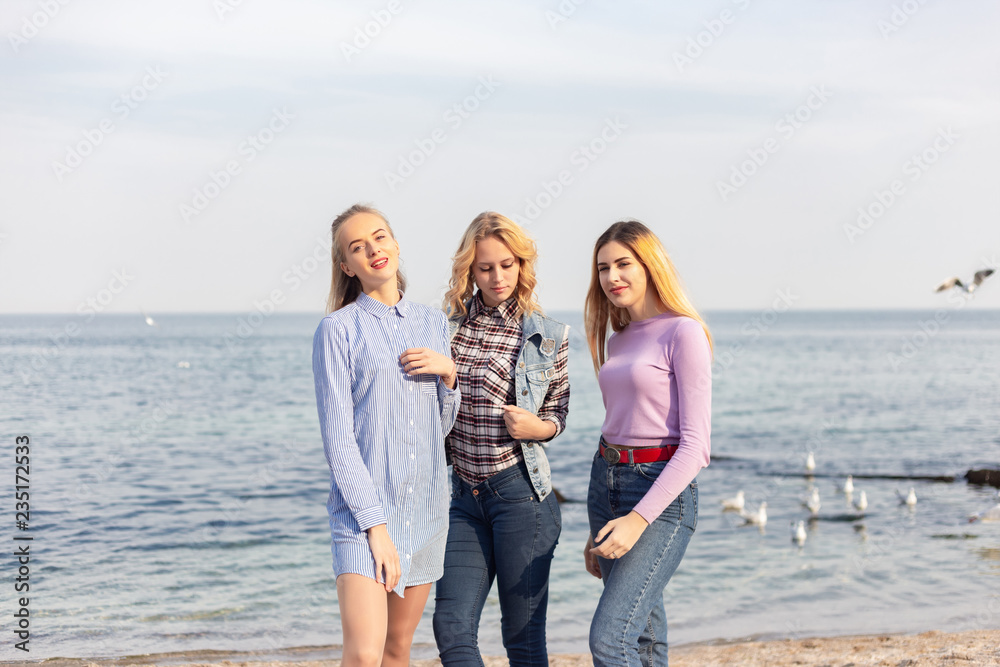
<point>614,455</point>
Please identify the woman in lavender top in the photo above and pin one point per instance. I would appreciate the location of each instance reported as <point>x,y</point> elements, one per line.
<point>386,394</point>
<point>656,381</point>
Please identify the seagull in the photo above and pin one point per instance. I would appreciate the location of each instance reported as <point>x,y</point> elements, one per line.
<point>977,280</point>
<point>813,502</point>
<point>758,518</point>
<point>810,462</point>
<point>799,532</point>
<point>910,499</point>
<point>183,364</point>
<point>849,485</point>
<point>992,514</point>
<point>735,503</point>
<point>149,320</point>
<point>861,504</point>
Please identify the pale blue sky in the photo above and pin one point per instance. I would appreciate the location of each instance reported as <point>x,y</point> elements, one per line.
<point>675,133</point>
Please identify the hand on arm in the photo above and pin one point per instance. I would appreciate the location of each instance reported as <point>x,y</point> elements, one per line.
<point>417,360</point>
<point>387,568</point>
<point>525,425</point>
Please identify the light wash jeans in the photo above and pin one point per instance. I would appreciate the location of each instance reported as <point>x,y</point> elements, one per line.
<point>630,624</point>
<point>498,530</point>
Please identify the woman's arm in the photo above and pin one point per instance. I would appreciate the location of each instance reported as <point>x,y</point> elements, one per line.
<point>691,361</point>
<point>556,404</point>
<point>449,396</point>
<point>332,376</point>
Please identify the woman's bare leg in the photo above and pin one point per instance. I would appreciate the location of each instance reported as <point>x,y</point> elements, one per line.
<point>404,615</point>
<point>364,617</point>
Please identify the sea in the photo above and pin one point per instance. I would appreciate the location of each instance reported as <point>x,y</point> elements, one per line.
<point>177,484</point>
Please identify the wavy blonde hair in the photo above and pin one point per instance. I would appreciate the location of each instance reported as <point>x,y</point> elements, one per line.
<point>345,289</point>
<point>463,283</point>
<point>598,310</point>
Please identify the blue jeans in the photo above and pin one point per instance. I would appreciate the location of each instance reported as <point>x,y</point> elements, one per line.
<point>497,530</point>
<point>630,623</point>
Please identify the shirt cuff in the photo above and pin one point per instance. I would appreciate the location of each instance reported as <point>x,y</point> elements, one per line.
<point>554,420</point>
<point>372,516</point>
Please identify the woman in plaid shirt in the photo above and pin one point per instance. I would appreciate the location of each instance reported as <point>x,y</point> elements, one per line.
<point>512,373</point>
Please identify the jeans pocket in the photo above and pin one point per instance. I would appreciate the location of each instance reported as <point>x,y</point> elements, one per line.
<point>692,520</point>
<point>651,470</point>
<point>514,489</point>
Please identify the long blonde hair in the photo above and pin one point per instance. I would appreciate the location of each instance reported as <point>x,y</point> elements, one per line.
<point>344,289</point>
<point>598,310</point>
<point>463,283</point>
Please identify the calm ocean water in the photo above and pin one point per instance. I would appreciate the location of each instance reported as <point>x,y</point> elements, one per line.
<point>178,482</point>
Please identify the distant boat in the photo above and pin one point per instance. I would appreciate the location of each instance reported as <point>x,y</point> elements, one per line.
<point>954,282</point>
<point>149,320</point>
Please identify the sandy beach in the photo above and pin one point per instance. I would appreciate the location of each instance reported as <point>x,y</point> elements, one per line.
<point>979,648</point>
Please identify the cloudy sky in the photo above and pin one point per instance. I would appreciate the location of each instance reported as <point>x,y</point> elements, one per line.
<point>189,155</point>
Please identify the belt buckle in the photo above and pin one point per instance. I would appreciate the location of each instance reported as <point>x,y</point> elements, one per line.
<point>612,455</point>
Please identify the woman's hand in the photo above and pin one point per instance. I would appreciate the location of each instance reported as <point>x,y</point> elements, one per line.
<point>386,558</point>
<point>619,535</point>
<point>590,559</point>
<point>525,425</point>
<point>418,360</point>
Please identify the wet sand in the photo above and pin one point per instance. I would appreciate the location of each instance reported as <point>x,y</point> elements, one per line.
<point>979,648</point>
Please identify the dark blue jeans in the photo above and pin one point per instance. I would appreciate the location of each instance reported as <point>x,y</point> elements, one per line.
<point>497,530</point>
<point>630,623</point>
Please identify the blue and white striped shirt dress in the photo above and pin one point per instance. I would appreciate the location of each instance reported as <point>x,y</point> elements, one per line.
<point>383,434</point>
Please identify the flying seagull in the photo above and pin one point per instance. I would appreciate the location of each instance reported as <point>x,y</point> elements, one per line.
<point>149,320</point>
<point>977,280</point>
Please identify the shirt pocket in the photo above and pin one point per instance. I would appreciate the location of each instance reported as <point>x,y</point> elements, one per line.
<point>427,382</point>
<point>497,381</point>
<point>539,378</point>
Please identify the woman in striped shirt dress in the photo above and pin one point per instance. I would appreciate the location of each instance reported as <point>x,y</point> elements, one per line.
<point>387,394</point>
<point>505,522</point>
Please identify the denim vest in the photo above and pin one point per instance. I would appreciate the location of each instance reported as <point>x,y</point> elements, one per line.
<point>540,340</point>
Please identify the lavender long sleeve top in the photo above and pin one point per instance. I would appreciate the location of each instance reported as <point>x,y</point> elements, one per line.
<point>657,388</point>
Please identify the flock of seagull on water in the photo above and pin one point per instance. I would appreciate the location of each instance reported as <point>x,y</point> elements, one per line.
<point>759,517</point>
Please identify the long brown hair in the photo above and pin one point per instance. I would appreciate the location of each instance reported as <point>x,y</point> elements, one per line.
<point>344,289</point>
<point>463,283</point>
<point>598,310</point>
